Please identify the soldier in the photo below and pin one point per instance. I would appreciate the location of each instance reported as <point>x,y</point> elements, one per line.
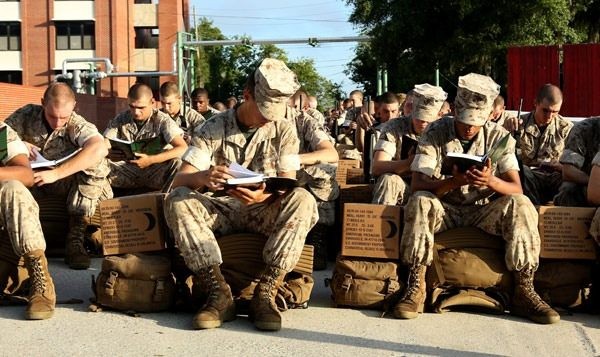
<point>318,158</point>
<point>255,135</point>
<point>201,103</point>
<point>53,130</point>
<point>390,162</point>
<point>171,105</point>
<point>593,196</point>
<point>499,113</point>
<point>388,108</point>
<point>582,144</point>
<point>142,121</point>
<point>464,199</point>
<point>541,137</point>
<point>20,223</point>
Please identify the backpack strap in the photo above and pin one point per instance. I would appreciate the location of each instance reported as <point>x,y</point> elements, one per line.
<point>109,285</point>
<point>159,290</point>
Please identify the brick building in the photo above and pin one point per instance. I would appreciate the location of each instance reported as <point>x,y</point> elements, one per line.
<point>136,35</point>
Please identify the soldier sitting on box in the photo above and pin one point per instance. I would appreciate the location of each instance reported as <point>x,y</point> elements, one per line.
<point>541,136</point>
<point>171,105</point>
<point>54,131</point>
<point>581,146</point>
<point>318,158</point>
<point>390,162</point>
<point>254,135</point>
<point>19,219</point>
<point>465,199</point>
<point>142,121</point>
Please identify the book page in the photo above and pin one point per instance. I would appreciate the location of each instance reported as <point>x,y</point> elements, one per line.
<point>120,141</point>
<point>41,161</point>
<point>238,171</point>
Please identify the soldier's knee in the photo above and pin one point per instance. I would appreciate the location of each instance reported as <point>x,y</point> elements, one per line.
<point>301,197</point>
<point>13,187</point>
<point>175,201</point>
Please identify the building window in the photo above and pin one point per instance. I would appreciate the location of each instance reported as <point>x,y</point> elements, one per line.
<point>145,1</point>
<point>146,37</point>
<point>14,77</point>
<point>10,36</point>
<point>75,35</point>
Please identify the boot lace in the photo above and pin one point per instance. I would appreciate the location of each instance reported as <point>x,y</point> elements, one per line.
<point>38,284</point>
<point>413,283</point>
<point>530,293</point>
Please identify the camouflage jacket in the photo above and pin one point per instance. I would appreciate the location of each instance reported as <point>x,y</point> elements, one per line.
<point>123,127</point>
<point>537,146</point>
<point>14,146</point>
<point>392,135</point>
<point>190,121</point>
<point>582,144</point>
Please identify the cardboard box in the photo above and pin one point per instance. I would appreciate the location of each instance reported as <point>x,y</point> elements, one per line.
<point>371,231</point>
<point>355,176</point>
<point>565,232</point>
<point>343,166</point>
<point>359,193</point>
<point>133,224</point>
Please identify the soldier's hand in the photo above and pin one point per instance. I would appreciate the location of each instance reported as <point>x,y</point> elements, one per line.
<point>217,176</point>
<point>45,177</point>
<point>480,178</point>
<point>142,160</point>
<point>512,124</point>
<point>250,196</point>
<point>33,150</point>
<point>365,120</point>
<point>116,155</point>
<point>460,178</point>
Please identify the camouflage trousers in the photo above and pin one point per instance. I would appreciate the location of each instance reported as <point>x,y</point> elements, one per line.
<point>156,177</point>
<point>320,180</point>
<point>595,226</point>
<point>540,186</point>
<point>571,194</point>
<point>83,192</point>
<point>391,189</point>
<point>197,220</point>
<point>512,217</point>
<point>20,218</point>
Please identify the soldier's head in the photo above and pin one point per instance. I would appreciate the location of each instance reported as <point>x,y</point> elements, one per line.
<point>170,99</point>
<point>312,102</point>
<point>200,100</point>
<point>141,101</point>
<point>445,109</point>
<point>231,102</point>
<point>58,102</point>
<point>388,107</point>
<point>497,108</point>
<point>407,106</point>
<point>426,106</point>
<point>266,93</point>
<point>356,97</point>
<point>473,104</point>
<point>299,100</point>
<point>547,104</point>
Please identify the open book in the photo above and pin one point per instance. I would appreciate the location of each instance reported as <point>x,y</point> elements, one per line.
<point>148,146</point>
<point>41,162</point>
<point>408,144</point>
<point>465,161</point>
<point>3,142</point>
<point>250,179</point>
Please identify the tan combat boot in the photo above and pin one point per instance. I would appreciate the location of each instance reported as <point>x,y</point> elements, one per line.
<point>42,297</point>
<point>219,307</point>
<point>76,256</point>
<point>263,310</point>
<point>527,303</point>
<point>413,300</point>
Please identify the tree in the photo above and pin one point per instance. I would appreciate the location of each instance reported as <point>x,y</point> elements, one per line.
<point>461,35</point>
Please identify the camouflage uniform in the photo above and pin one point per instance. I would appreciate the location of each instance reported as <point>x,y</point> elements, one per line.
<point>124,174</point>
<point>85,188</point>
<point>512,216</point>
<point>19,213</point>
<point>317,115</point>
<point>190,121</point>
<point>538,147</point>
<point>209,113</point>
<point>581,146</point>
<point>505,115</point>
<point>595,226</point>
<point>392,189</point>
<point>319,179</point>
<point>197,218</point>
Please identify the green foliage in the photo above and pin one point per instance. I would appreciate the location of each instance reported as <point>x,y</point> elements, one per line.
<point>461,35</point>
<point>223,70</point>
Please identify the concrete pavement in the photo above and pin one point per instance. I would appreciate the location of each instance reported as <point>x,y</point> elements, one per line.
<point>319,330</point>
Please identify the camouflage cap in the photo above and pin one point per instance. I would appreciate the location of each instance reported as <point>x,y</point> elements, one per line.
<point>427,102</point>
<point>475,98</point>
<point>275,83</point>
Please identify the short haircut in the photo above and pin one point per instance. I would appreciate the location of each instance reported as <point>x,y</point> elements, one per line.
<point>57,91</point>
<point>139,90</point>
<point>551,93</point>
<point>232,100</point>
<point>387,98</point>
<point>199,92</point>
<point>302,95</point>
<point>168,89</point>
<point>499,101</point>
<point>401,98</point>
<point>358,93</point>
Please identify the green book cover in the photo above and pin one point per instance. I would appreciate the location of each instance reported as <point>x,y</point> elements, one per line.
<point>148,146</point>
<point>3,142</point>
